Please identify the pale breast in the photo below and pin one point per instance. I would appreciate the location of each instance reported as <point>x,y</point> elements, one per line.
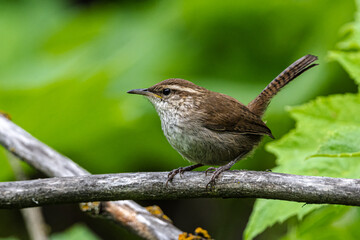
<point>207,147</point>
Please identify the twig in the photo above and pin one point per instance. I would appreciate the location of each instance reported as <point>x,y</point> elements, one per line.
<point>35,224</point>
<point>45,159</point>
<point>151,186</point>
<point>33,218</point>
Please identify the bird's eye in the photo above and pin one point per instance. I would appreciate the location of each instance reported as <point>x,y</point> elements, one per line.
<point>166,91</point>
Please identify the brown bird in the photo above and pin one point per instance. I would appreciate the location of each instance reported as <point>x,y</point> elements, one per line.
<point>210,128</point>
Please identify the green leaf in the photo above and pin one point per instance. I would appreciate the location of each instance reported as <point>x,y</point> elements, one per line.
<point>317,123</point>
<point>350,61</point>
<point>348,50</point>
<point>267,212</point>
<point>76,232</point>
<point>335,223</point>
<point>344,142</point>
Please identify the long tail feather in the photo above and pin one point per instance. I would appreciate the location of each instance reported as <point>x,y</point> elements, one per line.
<point>260,103</point>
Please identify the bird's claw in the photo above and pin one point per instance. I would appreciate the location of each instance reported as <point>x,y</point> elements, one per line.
<point>211,184</point>
<point>181,171</point>
<point>209,169</point>
<point>173,173</point>
<point>215,175</point>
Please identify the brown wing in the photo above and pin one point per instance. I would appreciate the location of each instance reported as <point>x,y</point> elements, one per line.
<point>240,119</point>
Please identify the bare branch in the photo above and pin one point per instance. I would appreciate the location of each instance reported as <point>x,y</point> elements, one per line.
<point>33,218</point>
<point>45,159</point>
<point>35,224</point>
<point>151,186</point>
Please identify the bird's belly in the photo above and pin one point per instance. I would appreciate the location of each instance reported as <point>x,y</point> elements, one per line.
<point>208,147</point>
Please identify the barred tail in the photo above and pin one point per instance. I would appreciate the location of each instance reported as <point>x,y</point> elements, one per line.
<point>260,103</point>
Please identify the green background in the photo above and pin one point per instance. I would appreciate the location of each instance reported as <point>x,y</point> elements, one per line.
<point>65,67</point>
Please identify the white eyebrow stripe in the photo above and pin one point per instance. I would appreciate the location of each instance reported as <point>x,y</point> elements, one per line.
<point>180,88</point>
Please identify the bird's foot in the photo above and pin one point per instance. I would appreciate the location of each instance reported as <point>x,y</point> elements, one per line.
<point>215,175</point>
<point>173,173</point>
<point>209,169</point>
<point>217,172</point>
<point>180,171</point>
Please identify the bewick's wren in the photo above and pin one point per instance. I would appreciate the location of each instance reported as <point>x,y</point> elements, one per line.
<point>210,128</point>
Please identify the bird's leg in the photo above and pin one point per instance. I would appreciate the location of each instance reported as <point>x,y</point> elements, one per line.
<point>209,169</point>
<point>217,172</point>
<point>180,171</point>
<point>221,169</point>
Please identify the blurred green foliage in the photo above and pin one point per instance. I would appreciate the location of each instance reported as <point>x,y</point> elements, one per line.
<point>75,233</point>
<point>65,69</point>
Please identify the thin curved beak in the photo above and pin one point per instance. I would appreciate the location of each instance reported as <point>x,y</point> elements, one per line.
<point>141,91</point>
<point>144,92</point>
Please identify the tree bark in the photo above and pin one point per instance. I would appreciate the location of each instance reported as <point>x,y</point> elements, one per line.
<point>151,186</point>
